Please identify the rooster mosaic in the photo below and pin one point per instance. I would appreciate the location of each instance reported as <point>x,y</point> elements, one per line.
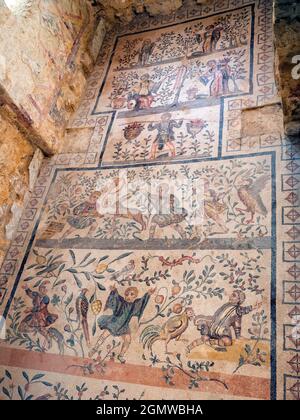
<point>170,330</point>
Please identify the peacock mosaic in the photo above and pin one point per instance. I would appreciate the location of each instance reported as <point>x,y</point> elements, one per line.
<point>149,266</point>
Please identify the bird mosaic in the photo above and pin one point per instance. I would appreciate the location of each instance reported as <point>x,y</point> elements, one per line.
<point>170,330</point>
<point>124,272</point>
<point>82,309</point>
<point>249,194</point>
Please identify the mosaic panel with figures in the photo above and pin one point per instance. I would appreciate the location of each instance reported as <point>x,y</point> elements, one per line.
<point>167,87</point>
<point>153,269</point>
<point>237,197</point>
<point>180,66</point>
<point>142,139</point>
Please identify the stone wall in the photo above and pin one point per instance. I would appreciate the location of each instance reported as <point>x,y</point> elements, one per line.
<point>15,157</point>
<point>287,43</point>
<point>47,50</point>
<point>44,62</point>
<point>125,10</point>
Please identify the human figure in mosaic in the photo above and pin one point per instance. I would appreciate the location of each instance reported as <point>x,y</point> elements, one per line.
<point>228,76</point>
<point>143,94</point>
<point>215,76</point>
<point>38,318</point>
<point>211,37</point>
<point>216,330</point>
<point>89,212</point>
<point>165,136</point>
<point>117,324</point>
<point>146,51</point>
<point>221,78</point>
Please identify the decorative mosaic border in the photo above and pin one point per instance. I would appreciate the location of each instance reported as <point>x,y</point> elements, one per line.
<point>290,260</point>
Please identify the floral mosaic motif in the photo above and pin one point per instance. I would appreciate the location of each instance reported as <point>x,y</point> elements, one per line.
<point>67,300</point>
<point>37,386</point>
<point>182,74</point>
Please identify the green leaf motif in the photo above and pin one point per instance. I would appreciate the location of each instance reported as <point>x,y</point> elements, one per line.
<point>5,392</point>
<point>25,376</point>
<point>101,287</point>
<point>73,256</point>
<point>37,377</point>
<point>20,392</point>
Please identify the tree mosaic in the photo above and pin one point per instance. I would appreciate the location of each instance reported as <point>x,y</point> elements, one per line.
<point>202,37</point>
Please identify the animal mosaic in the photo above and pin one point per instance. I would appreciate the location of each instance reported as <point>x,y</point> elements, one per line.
<point>224,192</point>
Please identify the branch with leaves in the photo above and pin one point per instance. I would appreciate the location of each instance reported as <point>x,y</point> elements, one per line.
<point>192,370</point>
<point>186,290</point>
<point>53,267</point>
<point>243,274</point>
<point>38,387</point>
<point>253,355</point>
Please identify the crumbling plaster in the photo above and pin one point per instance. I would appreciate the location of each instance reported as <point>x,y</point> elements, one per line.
<point>47,50</point>
<point>44,61</point>
<point>125,10</point>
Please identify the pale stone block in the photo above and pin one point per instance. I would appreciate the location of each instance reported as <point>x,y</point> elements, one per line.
<point>34,167</point>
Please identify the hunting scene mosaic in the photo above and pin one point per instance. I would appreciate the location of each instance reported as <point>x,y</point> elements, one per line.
<point>144,206</point>
<point>162,261</point>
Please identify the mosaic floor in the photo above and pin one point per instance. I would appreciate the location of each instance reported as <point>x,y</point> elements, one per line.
<point>108,295</point>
